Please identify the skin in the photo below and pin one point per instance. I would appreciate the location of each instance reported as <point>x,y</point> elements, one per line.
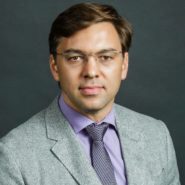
<point>90,88</point>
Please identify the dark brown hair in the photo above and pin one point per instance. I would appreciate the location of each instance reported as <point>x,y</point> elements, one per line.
<point>83,15</point>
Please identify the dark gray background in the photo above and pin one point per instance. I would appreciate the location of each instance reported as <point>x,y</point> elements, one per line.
<point>155,84</point>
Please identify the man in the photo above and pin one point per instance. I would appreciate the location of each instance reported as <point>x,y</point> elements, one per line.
<point>83,137</point>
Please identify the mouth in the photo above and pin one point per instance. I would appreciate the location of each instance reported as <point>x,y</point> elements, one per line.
<point>91,90</point>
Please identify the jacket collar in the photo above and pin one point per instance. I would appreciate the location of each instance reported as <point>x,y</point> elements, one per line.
<point>67,148</point>
<point>70,153</point>
<point>133,145</point>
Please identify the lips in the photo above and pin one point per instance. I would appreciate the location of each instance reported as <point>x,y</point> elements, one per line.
<point>91,90</point>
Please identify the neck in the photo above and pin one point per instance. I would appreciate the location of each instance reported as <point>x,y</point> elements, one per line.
<point>95,114</point>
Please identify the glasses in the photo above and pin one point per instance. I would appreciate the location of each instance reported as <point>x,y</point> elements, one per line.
<point>77,56</point>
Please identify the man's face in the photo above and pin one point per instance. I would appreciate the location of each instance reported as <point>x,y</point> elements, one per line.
<point>90,83</point>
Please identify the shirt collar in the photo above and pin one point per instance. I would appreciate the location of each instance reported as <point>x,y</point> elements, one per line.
<point>78,121</point>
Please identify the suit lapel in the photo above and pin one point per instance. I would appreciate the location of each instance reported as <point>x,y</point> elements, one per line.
<point>67,148</point>
<point>71,155</point>
<point>133,146</point>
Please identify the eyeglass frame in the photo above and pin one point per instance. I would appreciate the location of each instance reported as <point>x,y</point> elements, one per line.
<point>86,55</point>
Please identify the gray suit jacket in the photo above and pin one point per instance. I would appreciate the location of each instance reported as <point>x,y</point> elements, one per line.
<point>45,151</point>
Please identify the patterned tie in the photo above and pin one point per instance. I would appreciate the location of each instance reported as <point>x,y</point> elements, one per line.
<point>99,156</point>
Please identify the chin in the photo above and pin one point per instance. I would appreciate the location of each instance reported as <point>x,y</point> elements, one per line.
<point>93,107</point>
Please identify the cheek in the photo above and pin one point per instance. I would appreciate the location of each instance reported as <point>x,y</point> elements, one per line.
<point>68,79</point>
<point>114,73</point>
<point>114,78</point>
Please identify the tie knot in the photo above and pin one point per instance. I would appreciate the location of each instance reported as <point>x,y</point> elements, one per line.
<point>97,132</point>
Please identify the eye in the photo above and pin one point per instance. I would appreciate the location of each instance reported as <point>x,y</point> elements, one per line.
<point>107,57</point>
<point>74,58</point>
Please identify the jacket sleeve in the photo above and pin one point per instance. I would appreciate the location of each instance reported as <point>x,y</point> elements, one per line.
<point>9,170</point>
<point>172,173</point>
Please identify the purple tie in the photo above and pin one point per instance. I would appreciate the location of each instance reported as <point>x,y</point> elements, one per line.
<point>99,155</point>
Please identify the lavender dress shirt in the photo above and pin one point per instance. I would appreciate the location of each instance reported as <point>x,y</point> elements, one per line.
<point>112,144</point>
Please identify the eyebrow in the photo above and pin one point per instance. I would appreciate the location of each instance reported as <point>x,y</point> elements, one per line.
<point>107,50</point>
<point>71,50</point>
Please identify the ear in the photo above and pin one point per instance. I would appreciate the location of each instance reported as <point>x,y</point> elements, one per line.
<point>54,67</point>
<point>125,66</point>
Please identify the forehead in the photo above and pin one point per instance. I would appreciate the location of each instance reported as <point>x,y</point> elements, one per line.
<point>93,38</point>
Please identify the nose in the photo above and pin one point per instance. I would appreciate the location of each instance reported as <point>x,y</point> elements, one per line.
<point>90,68</point>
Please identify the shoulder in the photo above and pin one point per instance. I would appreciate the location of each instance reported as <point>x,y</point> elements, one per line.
<point>27,132</point>
<point>151,132</point>
<point>21,145</point>
<point>142,123</point>
<point>127,113</point>
<point>33,129</point>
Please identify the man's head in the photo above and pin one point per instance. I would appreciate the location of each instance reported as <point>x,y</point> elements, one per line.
<point>83,15</point>
<point>89,46</point>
